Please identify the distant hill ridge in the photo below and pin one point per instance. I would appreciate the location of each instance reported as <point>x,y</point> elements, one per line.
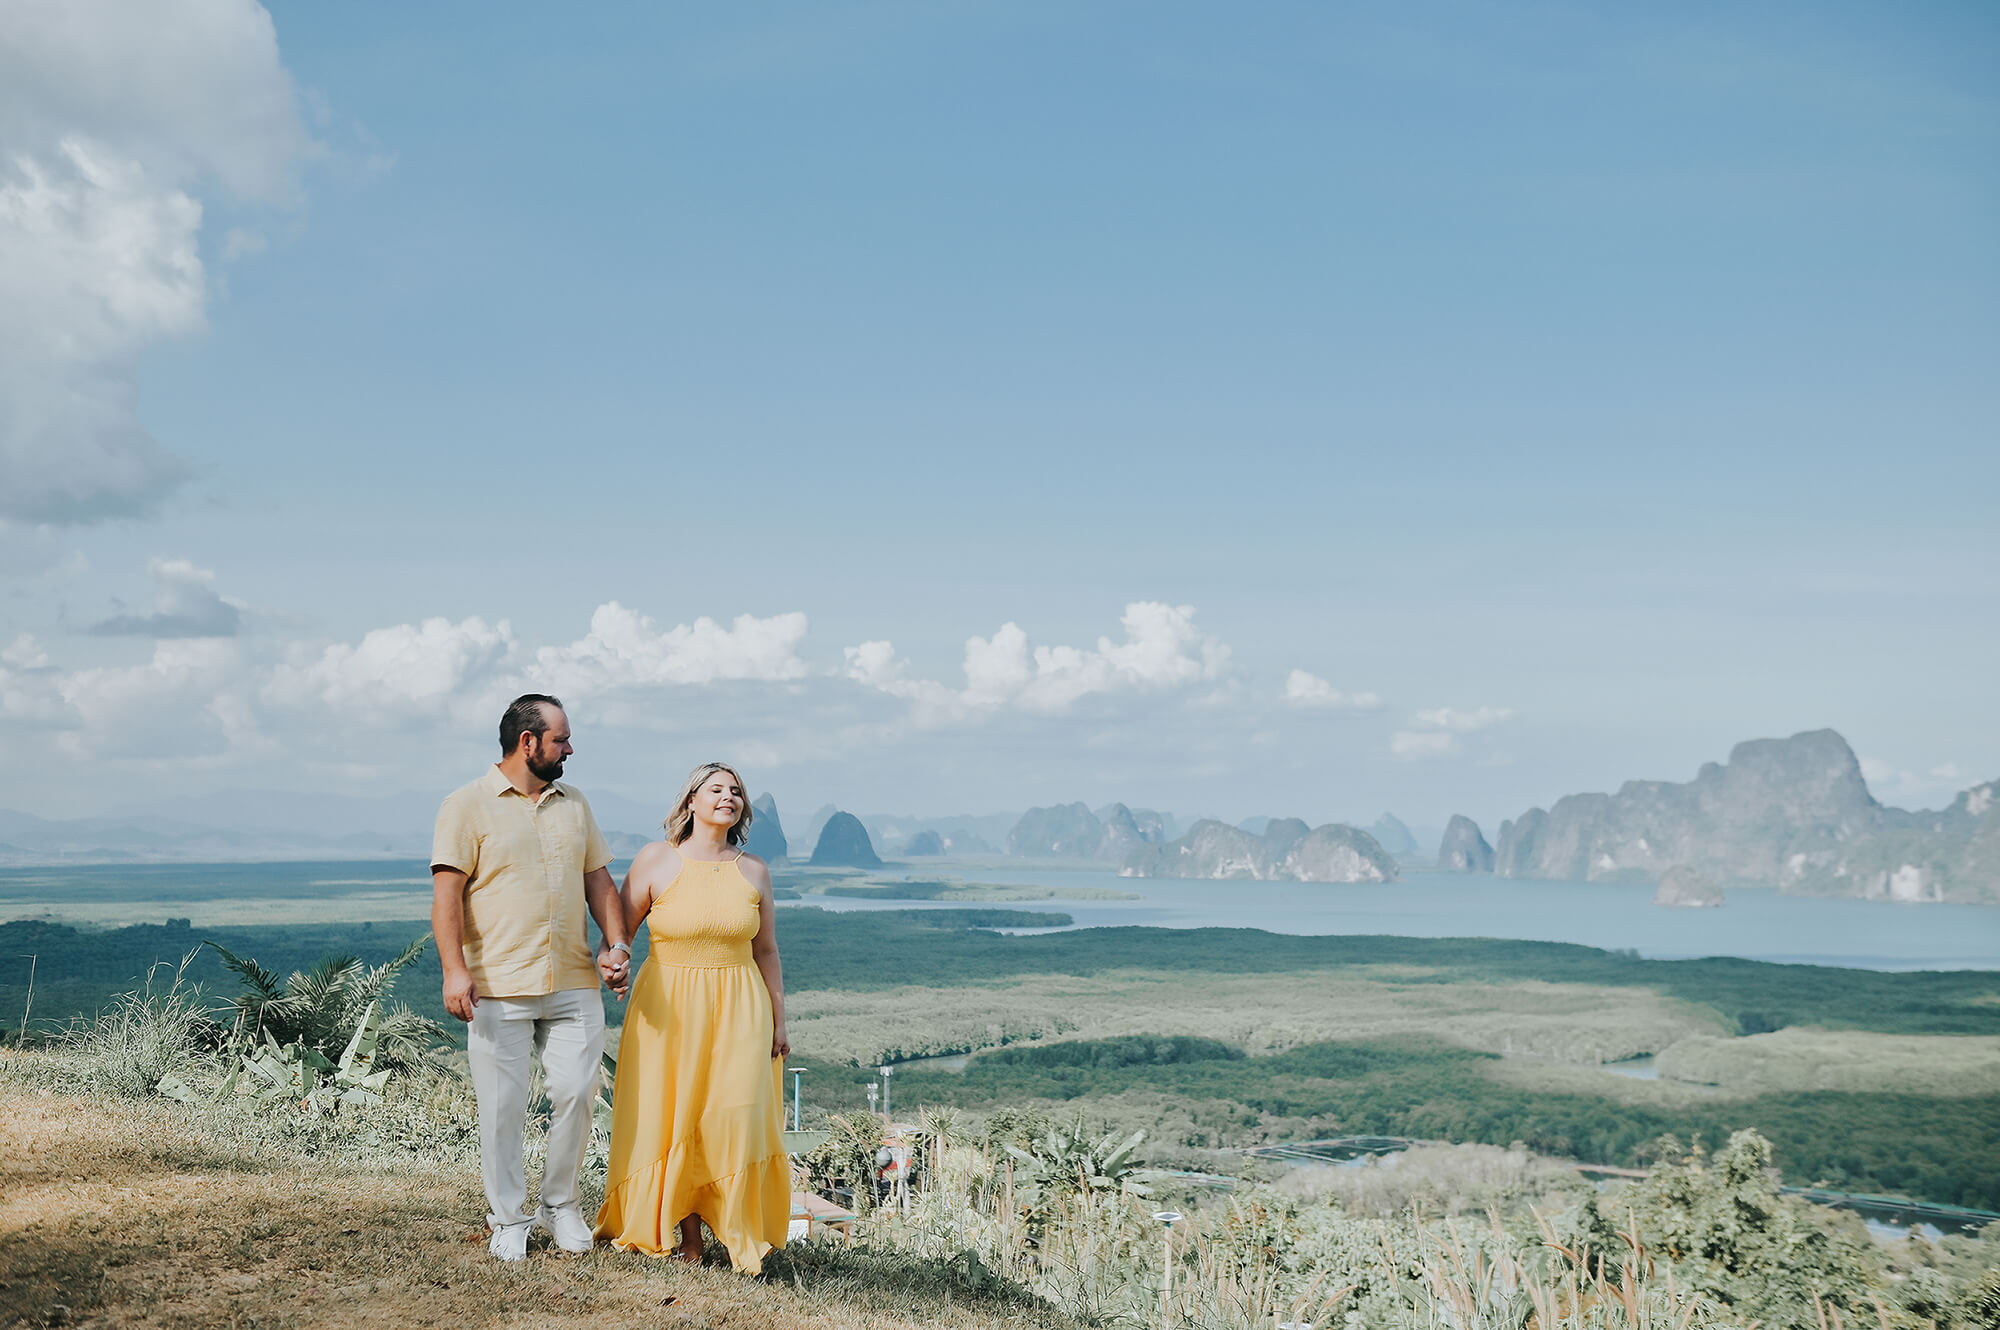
<point>1073,831</point>
<point>1792,813</point>
<point>1286,851</point>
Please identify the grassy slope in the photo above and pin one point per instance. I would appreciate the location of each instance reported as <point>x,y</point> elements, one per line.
<point>130,1214</point>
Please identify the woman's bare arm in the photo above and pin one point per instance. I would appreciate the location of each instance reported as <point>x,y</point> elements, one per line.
<point>764,950</point>
<point>652,867</point>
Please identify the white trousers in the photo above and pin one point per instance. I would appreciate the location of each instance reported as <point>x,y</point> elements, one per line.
<point>567,1029</point>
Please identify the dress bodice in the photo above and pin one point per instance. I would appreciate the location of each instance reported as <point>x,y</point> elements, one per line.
<point>706,916</point>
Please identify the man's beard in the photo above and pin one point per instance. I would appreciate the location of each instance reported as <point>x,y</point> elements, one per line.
<point>544,769</point>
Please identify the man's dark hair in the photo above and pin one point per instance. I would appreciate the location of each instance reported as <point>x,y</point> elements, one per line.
<point>526,714</point>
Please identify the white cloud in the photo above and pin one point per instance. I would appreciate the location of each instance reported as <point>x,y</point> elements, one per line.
<point>1422,743</point>
<point>1438,729</point>
<point>25,653</point>
<point>875,665</point>
<point>1896,785</point>
<point>188,700</point>
<point>185,604</point>
<point>625,649</point>
<point>30,693</point>
<point>258,708</point>
<point>1463,722</point>
<point>422,667</point>
<point>1309,690</point>
<point>1162,650</point>
<point>114,117</point>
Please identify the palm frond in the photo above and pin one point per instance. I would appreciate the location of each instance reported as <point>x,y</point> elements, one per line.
<point>262,989</point>
<point>259,980</point>
<point>406,1039</point>
<point>314,1008</point>
<point>374,985</point>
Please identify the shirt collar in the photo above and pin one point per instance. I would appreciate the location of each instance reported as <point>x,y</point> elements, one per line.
<point>495,783</point>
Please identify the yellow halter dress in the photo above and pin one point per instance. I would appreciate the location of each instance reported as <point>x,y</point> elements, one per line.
<point>697,1115</point>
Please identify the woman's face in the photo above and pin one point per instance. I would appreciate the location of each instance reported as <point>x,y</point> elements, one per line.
<point>718,800</point>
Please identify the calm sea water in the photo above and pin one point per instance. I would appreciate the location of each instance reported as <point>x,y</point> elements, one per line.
<point>1760,925</point>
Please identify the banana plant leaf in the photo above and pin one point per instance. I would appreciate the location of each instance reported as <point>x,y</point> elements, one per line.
<point>359,1059</point>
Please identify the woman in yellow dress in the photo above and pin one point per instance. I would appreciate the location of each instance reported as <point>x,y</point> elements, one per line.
<point>697,1125</point>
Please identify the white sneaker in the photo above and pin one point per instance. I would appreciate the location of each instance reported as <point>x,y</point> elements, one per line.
<point>510,1242</point>
<point>565,1224</point>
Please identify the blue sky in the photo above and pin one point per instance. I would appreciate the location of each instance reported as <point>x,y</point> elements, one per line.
<point>1570,392</point>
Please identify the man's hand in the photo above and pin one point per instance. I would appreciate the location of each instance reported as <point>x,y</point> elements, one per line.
<point>460,995</point>
<point>616,967</point>
<point>781,1043</point>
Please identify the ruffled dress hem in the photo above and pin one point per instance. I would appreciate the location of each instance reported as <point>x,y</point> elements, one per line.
<point>643,1213</point>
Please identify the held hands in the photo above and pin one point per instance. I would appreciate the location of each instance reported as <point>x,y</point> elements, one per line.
<point>460,996</point>
<point>615,965</point>
<point>781,1043</point>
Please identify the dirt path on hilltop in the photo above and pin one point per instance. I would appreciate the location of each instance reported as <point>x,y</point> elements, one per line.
<point>114,1213</point>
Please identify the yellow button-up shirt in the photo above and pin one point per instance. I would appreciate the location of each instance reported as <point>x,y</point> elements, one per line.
<point>524,861</point>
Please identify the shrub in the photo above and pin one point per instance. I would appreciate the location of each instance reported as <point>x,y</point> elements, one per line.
<point>145,1035</point>
<point>320,1008</point>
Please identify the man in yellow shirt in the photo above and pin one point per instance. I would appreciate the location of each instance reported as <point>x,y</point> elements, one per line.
<point>516,860</point>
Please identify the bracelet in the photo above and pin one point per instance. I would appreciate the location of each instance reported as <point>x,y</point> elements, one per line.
<point>625,947</point>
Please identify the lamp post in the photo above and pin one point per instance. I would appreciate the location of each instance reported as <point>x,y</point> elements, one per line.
<point>1167,1218</point>
<point>887,1072</point>
<point>873,1094</point>
<point>796,1073</point>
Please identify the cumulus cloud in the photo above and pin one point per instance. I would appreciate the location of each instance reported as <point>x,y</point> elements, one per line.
<point>25,653</point>
<point>185,604</point>
<point>1438,729</point>
<point>1309,690</point>
<point>1893,784</point>
<point>625,649</point>
<point>251,702</point>
<point>187,700</point>
<point>30,688</point>
<point>1162,650</point>
<point>409,666</point>
<point>115,116</point>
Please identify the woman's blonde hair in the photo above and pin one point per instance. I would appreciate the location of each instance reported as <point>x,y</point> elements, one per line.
<point>680,823</point>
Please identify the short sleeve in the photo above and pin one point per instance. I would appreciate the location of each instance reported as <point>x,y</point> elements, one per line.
<point>455,841</point>
<point>596,850</point>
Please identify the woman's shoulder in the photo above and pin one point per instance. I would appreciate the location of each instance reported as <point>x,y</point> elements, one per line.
<point>654,856</point>
<point>753,867</point>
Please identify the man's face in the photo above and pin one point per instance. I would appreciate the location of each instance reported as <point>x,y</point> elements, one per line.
<point>546,753</point>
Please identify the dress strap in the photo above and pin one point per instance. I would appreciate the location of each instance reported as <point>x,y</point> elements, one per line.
<point>740,854</point>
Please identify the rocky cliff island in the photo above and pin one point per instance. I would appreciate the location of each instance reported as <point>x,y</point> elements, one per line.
<point>1073,831</point>
<point>1683,888</point>
<point>767,833</point>
<point>1464,848</point>
<point>844,843</point>
<point>1287,851</point>
<point>1788,813</point>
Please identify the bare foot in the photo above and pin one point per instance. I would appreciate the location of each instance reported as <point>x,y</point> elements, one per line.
<point>691,1240</point>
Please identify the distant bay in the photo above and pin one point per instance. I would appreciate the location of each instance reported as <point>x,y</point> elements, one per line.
<point>1754,924</point>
